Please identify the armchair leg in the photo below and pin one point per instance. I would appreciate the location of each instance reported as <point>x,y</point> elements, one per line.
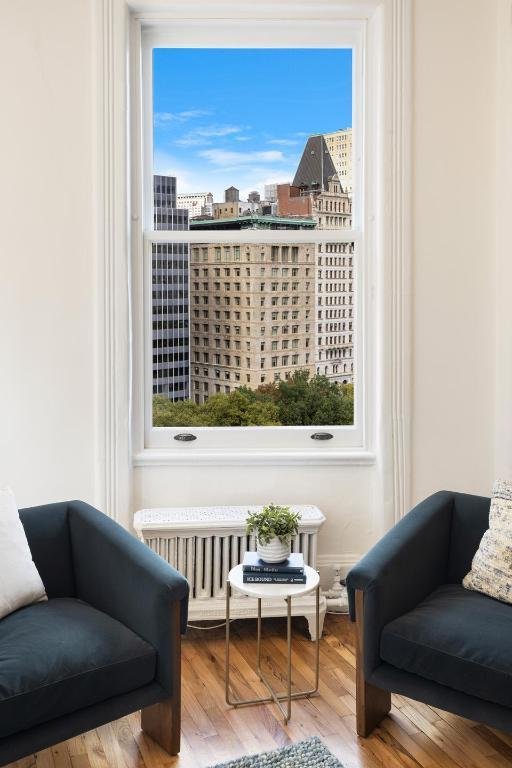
<point>162,721</point>
<point>372,704</point>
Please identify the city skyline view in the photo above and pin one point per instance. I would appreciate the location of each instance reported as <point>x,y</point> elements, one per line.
<point>227,117</point>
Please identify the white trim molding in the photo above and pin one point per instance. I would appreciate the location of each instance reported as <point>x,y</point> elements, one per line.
<point>158,457</point>
<point>400,252</point>
<point>343,561</point>
<point>402,247</point>
<point>113,327</point>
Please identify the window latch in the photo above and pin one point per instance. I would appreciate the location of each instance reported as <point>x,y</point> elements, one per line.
<point>322,436</point>
<point>185,437</point>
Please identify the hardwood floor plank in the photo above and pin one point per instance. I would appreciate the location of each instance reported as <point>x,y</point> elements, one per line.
<point>498,743</point>
<point>61,756</point>
<point>44,759</point>
<point>408,743</point>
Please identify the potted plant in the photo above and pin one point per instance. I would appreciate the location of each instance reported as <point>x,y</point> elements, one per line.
<point>274,527</point>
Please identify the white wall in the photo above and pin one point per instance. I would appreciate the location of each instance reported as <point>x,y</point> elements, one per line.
<point>345,495</point>
<point>503,306</point>
<point>46,251</point>
<point>47,439</point>
<point>454,245</point>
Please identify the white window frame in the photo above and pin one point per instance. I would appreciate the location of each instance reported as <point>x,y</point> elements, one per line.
<point>354,439</point>
<point>118,213</point>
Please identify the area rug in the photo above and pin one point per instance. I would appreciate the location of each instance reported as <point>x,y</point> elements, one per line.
<point>310,753</point>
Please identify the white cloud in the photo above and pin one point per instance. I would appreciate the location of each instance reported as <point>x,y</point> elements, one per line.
<point>225,157</point>
<point>203,134</point>
<point>164,118</point>
<point>191,140</point>
<point>283,142</point>
<point>218,130</point>
<point>189,114</point>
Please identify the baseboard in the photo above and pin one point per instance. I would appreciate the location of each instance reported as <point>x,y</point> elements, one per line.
<point>341,562</point>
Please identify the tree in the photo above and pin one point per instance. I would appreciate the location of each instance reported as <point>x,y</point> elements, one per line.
<point>182,413</point>
<point>240,409</point>
<point>298,401</point>
<point>303,401</point>
<point>237,409</point>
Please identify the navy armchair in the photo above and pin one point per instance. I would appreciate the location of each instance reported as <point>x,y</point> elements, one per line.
<point>106,643</point>
<point>418,631</point>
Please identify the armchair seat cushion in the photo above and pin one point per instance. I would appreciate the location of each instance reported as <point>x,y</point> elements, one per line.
<point>457,638</point>
<point>63,655</point>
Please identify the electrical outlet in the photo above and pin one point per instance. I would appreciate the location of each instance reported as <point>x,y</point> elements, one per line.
<point>330,577</point>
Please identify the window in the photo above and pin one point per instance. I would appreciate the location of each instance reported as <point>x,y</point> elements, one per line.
<point>211,147</point>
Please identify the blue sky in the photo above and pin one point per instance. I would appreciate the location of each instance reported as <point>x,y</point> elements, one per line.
<point>241,117</point>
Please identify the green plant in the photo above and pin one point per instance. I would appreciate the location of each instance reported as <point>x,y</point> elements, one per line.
<point>272,521</point>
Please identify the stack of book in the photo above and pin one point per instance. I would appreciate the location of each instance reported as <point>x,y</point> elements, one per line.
<point>290,571</point>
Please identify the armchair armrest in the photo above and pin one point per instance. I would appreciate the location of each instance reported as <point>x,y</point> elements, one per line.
<point>408,563</point>
<point>121,576</point>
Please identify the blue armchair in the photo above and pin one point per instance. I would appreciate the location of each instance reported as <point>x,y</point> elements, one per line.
<point>106,643</point>
<point>418,631</point>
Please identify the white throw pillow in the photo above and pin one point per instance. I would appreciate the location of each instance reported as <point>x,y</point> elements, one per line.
<point>20,582</point>
<point>491,569</point>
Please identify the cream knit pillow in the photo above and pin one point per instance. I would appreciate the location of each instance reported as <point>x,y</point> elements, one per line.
<point>491,569</point>
<point>20,582</point>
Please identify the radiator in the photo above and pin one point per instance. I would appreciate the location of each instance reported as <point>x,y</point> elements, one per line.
<point>204,543</point>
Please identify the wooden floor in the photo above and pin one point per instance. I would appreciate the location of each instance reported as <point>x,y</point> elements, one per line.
<point>413,734</point>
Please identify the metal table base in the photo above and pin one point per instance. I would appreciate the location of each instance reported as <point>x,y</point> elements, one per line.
<point>286,696</point>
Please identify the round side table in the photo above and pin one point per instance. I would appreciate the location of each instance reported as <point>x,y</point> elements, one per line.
<point>280,592</point>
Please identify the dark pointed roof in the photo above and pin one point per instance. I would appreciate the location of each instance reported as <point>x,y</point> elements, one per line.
<point>315,165</point>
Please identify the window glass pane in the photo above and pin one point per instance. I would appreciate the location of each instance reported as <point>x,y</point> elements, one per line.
<point>253,334</point>
<point>244,146</point>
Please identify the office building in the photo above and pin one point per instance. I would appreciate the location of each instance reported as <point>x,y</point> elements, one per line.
<point>252,314</point>
<point>339,144</point>
<point>228,209</point>
<point>315,166</point>
<point>170,304</point>
<point>329,206</point>
<point>317,192</point>
<point>232,207</point>
<point>335,322</point>
<point>270,191</point>
<point>196,203</point>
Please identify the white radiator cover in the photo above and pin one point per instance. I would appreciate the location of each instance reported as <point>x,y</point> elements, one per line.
<point>204,543</point>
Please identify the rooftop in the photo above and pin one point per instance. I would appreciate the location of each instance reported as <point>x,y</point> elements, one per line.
<point>254,222</point>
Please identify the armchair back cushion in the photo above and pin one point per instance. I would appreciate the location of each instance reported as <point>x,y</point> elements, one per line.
<point>141,585</point>
<point>47,531</point>
<point>470,520</point>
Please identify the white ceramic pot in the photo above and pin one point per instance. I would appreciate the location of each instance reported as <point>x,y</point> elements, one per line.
<point>275,551</point>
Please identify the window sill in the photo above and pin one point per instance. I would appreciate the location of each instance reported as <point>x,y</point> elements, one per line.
<point>158,457</point>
